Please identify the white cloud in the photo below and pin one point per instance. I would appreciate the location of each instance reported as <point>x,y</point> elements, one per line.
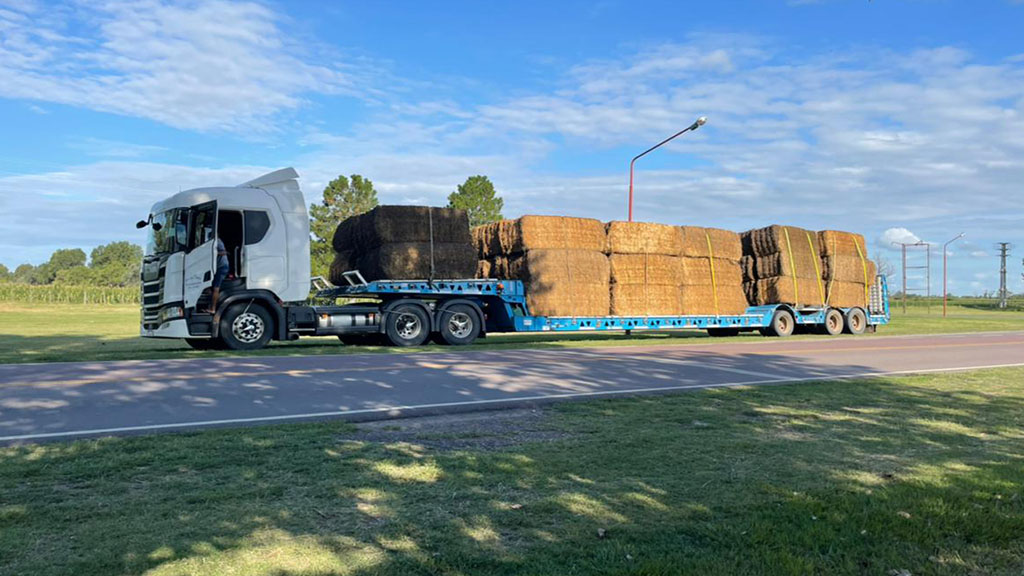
<point>209,65</point>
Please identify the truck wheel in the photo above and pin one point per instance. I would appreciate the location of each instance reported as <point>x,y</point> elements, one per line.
<point>459,325</point>
<point>407,325</point>
<point>782,324</point>
<point>246,327</point>
<point>856,321</point>
<point>833,322</point>
<point>203,343</point>
<point>723,332</point>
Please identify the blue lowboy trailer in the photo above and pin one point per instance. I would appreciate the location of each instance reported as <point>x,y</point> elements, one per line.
<point>407,312</point>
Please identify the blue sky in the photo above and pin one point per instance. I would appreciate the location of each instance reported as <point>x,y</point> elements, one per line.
<point>902,120</point>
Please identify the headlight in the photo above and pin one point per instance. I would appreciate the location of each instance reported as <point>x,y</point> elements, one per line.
<point>171,313</point>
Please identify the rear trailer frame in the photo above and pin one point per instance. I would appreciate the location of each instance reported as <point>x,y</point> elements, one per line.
<point>504,308</point>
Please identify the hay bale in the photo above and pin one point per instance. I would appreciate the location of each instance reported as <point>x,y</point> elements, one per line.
<point>643,238</point>
<point>747,265</point>
<point>344,235</point>
<point>562,282</point>
<point>848,294</point>
<point>656,269</point>
<point>802,265</point>
<point>551,233</point>
<point>585,300</point>
<point>411,261</point>
<point>645,300</point>
<point>724,243</point>
<point>783,239</point>
<point>731,300</point>
<point>838,243</point>
<point>483,269</point>
<point>342,263</point>
<point>487,240</point>
<point>847,269</point>
<point>786,290</point>
<point>697,272</point>
<point>411,224</point>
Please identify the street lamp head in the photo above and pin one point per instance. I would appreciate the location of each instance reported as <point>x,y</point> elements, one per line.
<point>702,120</point>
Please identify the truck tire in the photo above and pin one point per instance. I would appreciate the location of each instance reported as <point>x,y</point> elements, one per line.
<point>459,325</point>
<point>782,324</point>
<point>723,332</point>
<point>204,343</point>
<point>407,325</point>
<point>246,326</point>
<point>856,321</point>
<point>834,323</point>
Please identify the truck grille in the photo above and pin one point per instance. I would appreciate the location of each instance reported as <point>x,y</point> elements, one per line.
<point>152,293</point>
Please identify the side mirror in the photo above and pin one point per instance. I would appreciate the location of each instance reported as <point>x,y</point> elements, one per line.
<point>141,224</point>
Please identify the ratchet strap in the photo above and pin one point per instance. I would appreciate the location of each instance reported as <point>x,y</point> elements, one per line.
<point>714,279</point>
<point>817,271</point>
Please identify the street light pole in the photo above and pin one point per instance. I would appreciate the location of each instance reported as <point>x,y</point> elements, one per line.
<point>944,255</point>
<point>700,122</point>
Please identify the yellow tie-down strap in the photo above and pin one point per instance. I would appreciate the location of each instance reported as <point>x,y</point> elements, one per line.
<point>714,280</point>
<point>817,271</point>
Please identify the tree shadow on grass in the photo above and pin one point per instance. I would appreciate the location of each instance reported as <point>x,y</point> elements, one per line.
<point>858,477</point>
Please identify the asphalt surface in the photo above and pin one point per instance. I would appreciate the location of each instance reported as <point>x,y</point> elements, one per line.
<point>68,400</point>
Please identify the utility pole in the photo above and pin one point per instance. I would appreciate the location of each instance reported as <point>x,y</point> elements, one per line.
<point>1004,251</point>
<point>927,290</point>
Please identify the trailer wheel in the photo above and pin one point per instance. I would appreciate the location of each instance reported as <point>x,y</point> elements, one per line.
<point>856,321</point>
<point>204,343</point>
<point>723,332</point>
<point>246,326</point>
<point>833,322</point>
<point>782,324</point>
<point>459,325</point>
<point>407,325</point>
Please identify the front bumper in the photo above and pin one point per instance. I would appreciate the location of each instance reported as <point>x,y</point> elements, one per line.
<point>171,329</point>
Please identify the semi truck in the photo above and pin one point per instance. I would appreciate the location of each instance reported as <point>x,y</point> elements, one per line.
<point>264,226</point>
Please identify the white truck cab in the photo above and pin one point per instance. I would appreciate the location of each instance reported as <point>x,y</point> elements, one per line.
<point>264,226</point>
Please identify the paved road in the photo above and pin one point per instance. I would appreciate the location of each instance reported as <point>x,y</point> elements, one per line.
<point>40,401</point>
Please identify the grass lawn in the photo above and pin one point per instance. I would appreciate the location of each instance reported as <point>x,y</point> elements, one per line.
<point>71,332</point>
<point>923,474</point>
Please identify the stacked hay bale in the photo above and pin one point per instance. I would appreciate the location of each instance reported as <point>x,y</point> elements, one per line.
<point>711,281</point>
<point>782,265</point>
<point>646,270</point>
<point>404,243</point>
<point>560,260</point>
<point>846,270</point>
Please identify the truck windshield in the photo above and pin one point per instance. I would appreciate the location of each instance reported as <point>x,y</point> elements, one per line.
<point>162,241</point>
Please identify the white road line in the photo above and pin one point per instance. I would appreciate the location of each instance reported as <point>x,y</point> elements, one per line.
<point>498,401</point>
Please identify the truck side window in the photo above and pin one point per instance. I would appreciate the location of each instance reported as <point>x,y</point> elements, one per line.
<point>256,225</point>
<point>202,231</point>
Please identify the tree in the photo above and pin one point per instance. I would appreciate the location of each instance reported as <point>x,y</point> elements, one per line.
<point>77,276</point>
<point>116,264</point>
<point>342,198</point>
<point>884,267</point>
<point>23,273</point>
<point>66,258</point>
<point>5,274</point>
<point>477,197</point>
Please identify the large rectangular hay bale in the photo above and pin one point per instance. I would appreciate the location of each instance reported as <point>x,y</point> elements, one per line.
<point>723,243</point>
<point>342,263</point>
<point>410,224</point>
<point>731,300</point>
<point>487,240</point>
<point>848,269</point>
<point>582,300</point>
<point>645,269</point>
<point>800,264</point>
<point>483,269</point>
<point>697,272</point>
<point>838,243</point>
<point>643,238</point>
<point>551,233</point>
<point>748,265</point>
<point>412,261</point>
<point>645,300</point>
<point>784,290</point>
<point>562,282</point>
<point>783,239</point>
<point>848,294</point>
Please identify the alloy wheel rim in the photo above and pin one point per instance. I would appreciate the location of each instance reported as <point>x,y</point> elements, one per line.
<point>407,325</point>
<point>247,327</point>
<point>460,325</point>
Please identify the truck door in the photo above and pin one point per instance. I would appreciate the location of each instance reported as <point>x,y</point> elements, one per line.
<point>201,257</point>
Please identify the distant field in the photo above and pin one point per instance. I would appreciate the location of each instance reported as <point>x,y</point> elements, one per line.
<point>888,476</point>
<point>75,332</point>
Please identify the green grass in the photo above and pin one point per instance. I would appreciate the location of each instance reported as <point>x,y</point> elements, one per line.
<point>68,332</point>
<point>922,474</point>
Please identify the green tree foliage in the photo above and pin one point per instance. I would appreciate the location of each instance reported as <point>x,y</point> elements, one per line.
<point>23,273</point>
<point>5,274</point>
<point>116,264</point>
<point>342,198</point>
<point>477,197</point>
<point>77,276</point>
<point>66,258</point>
